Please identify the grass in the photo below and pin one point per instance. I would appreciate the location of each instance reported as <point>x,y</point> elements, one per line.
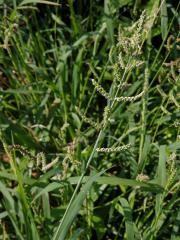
<point>76,77</point>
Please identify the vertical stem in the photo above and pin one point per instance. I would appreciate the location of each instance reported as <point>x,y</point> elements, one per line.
<point>73,18</point>
<point>89,160</point>
<point>143,116</point>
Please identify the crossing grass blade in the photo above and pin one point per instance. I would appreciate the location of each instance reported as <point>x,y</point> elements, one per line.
<point>73,210</point>
<point>151,186</point>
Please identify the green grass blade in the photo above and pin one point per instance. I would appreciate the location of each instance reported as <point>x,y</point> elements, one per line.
<point>152,187</point>
<point>73,210</point>
<point>162,166</point>
<point>128,219</point>
<point>109,20</point>
<point>6,194</point>
<point>49,188</point>
<point>164,19</point>
<point>10,207</point>
<point>161,178</point>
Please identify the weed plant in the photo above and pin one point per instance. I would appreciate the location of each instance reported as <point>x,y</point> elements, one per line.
<point>89,120</point>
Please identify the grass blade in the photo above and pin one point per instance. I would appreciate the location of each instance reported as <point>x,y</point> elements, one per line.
<point>74,209</point>
<point>128,219</point>
<point>164,19</point>
<point>162,166</point>
<point>152,187</point>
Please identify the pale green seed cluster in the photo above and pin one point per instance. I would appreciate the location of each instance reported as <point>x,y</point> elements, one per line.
<point>129,99</point>
<point>62,132</point>
<point>129,56</point>
<point>50,165</point>
<point>101,90</point>
<point>177,124</point>
<point>142,177</point>
<point>130,44</point>
<point>41,160</point>
<point>106,115</point>
<point>88,120</point>
<point>114,149</point>
<point>124,85</point>
<point>22,150</point>
<point>172,171</point>
<point>131,38</point>
<point>146,79</point>
<point>121,61</point>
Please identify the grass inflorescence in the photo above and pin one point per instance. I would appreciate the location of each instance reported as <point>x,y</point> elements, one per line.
<point>89,120</point>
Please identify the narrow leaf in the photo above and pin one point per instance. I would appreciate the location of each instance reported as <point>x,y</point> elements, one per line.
<point>38,1</point>
<point>164,19</point>
<point>73,210</point>
<point>128,219</point>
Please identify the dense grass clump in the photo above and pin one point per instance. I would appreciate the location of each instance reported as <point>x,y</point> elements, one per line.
<point>89,119</point>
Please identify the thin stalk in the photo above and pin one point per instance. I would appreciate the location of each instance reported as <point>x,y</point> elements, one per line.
<point>143,117</point>
<point>162,44</point>
<point>79,183</point>
<point>158,124</point>
<point>166,57</point>
<point>89,160</point>
<point>30,226</point>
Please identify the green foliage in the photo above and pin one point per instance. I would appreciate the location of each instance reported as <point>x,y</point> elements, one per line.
<point>89,119</point>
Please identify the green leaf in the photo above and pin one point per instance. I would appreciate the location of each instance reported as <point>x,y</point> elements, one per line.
<point>161,177</point>
<point>128,219</point>
<point>6,194</point>
<point>162,166</point>
<point>164,19</point>
<point>10,208</point>
<point>74,209</point>
<point>150,186</point>
<point>49,188</point>
<point>109,20</point>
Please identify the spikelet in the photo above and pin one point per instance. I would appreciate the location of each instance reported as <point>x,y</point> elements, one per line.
<point>129,99</point>
<point>171,170</point>
<point>114,149</point>
<point>41,160</point>
<point>177,124</point>
<point>142,177</point>
<point>65,165</point>
<point>106,115</point>
<point>146,79</point>
<point>130,44</point>
<point>124,85</point>
<point>50,165</point>
<point>88,120</point>
<point>134,40</point>
<point>63,130</point>
<point>22,150</point>
<point>101,90</point>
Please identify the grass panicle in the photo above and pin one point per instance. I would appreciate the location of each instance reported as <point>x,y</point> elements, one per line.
<point>73,164</point>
